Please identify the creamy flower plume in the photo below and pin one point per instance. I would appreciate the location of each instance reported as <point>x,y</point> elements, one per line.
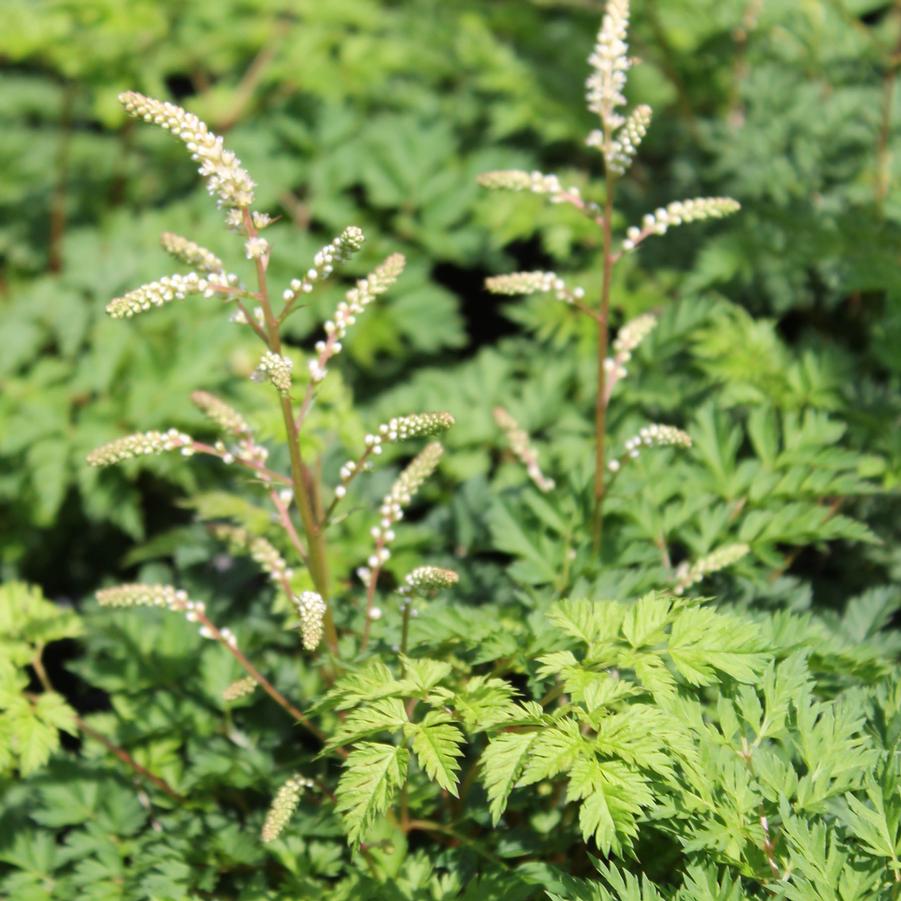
<point>311,609</point>
<point>534,283</point>
<point>654,435</point>
<point>627,340</point>
<point>167,289</point>
<point>283,807</point>
<point>142,444</point>
<point>609,64</point>
<point>630,336</point>
<point>341,249</point>
<point>276,369</point>
<point>262,552</point>
<point>398,428</point>
<point>191,253</point>
<point>688,574</point>
<point>239,689</point>
<point>225,177</point>
<point>256,248</point>
<point>416,425</point>
<point>136,594</point>
<point>522,449</point>
<point>356,301</point>
<point>400,496</point>
<point>677,213</point>
<point>224,416</point>
<point>427,580</point>
<point>534,182</point>
<point>625,145</point>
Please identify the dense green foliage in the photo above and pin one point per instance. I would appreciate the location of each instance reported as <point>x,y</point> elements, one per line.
<point>564,722</point>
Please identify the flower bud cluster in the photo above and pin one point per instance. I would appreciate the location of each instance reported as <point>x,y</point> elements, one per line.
<point>224,174</point>
<point>242,688</point>
<point>400,495</point>
<point>261,551</point>
<point>139,595</point>
<point>402,428</point>
<point>535,182</point>
<point>625,145</point>
<point>427,580</point>
<point>276,369</point>
<point>190,253</point>
<point>652,436</point>
<point>357,299</point>
<point>172,287</point>
<point>218,411</point>
<point>311,609</point>
<point>347,473</point>
<point>677,213</point>
<point>522,449</point>
<point>534,283</point>
<point>341,249</point>
<point>256,248</point>
<point>609,63</point>
<point>141,444</point>
<point>632,334</point>
<point>399,428</point>
<point>628,338</point>
<point>688,574</point>
<point>283,806</point>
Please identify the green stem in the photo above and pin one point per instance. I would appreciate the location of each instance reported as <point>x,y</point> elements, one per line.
<point>432,826</point>
<point>405,628</point>
<point>603,341</point>
<point>317,561</point>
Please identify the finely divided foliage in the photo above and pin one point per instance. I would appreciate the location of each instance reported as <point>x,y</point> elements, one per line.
<point>558,716</point>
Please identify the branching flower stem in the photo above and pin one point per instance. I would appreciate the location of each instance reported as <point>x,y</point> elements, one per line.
<point>128,760</point>
<point>285,519</point>
<point>269,475</point>
<point>359,466</point>
<point>585,209</point>
<point>251,321</point>
<point>317,561</point>
<point>260,679</point>
<point>405,626</point>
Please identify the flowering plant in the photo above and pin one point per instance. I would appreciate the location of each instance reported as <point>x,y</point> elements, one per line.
<point>481,734</point>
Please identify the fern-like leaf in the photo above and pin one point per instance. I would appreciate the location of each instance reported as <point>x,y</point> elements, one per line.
<point>436,743</point>
<point>373,773</point>
<point>502,764</point>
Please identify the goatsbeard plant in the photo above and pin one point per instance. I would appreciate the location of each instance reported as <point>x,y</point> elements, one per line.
<point>302,503</point>
<point>661,723</point>
<point>617,140</point>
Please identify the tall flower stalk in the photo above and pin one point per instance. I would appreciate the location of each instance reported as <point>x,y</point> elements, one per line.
<point>264,312</point>
<point>617,139</point>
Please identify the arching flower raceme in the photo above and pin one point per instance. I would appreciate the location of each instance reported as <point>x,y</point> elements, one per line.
<point>225,176</point>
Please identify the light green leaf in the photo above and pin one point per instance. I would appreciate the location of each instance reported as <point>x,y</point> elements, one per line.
<point>436,743</point>
<point>502,764</point>
<point>373,773</point>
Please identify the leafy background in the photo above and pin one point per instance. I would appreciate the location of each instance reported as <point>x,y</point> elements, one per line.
<point>777,345</point>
